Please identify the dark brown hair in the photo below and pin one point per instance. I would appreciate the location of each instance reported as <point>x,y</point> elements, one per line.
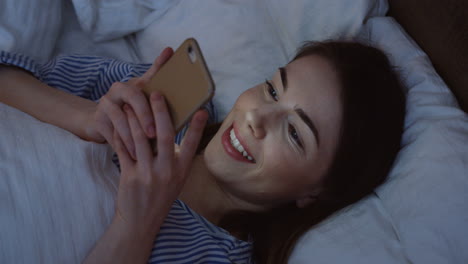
<point>373,115</point>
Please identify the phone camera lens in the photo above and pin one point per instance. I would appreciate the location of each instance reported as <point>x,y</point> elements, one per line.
<point>191,54</point>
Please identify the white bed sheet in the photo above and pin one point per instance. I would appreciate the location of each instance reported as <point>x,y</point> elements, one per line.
<point>56,191</point>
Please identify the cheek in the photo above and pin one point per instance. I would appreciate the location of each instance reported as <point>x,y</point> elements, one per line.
<point>285,168</point>
<point>274,160</point>
<point>278,160</point>
<point>248,98</point>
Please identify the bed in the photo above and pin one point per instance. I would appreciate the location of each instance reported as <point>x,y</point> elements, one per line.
<point>57,191</point>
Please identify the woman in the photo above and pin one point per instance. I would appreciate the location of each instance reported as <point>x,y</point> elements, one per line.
<point>318,136</point>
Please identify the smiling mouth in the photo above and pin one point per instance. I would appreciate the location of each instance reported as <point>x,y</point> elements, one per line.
<point>234,147</point>
<point>238,146</point>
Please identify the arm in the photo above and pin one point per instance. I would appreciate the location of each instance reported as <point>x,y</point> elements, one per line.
<point>21,90</point>
<point>86,78</point>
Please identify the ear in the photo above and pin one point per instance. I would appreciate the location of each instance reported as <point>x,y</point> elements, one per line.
<point>309,199</point>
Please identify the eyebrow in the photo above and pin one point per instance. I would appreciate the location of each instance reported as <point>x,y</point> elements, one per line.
<point>305,118</point>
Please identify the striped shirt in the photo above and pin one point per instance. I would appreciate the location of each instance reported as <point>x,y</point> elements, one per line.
<point>185,236</point>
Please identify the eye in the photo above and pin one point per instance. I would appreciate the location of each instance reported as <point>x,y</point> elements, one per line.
<point>295,136</point>
<point>272,90</point>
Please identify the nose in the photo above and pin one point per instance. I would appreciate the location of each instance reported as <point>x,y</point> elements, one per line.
<point>261,120</point>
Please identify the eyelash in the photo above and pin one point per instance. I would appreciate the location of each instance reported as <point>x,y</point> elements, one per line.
<point>272,90</point>
<point>291,129</point>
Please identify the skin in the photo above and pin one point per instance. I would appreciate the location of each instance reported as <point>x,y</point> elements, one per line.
<point>282,172</point>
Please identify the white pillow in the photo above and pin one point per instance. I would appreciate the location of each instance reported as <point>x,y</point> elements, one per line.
<point>303,20</point>
<point>420,215</point>
<point>23,22</point>
<point>73,40</point>
<point>110,19</point>
<point>428,193</point>
<point>360,233</point>
<point>245,41</point>
<point>56,191</point>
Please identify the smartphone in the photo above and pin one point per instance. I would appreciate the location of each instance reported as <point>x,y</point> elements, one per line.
<point>185,82</point>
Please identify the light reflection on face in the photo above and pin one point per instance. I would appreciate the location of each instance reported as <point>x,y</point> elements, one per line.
<point>290,153</point>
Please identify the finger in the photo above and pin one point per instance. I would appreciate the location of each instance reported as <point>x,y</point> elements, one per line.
<point>164,129</point>
<point>104,126</point>
<point>119,122</point>
<point>142,148</point>
<point>165,55</point>
<point>124,157</point>
<point>134,96</point>
<point>192,138</point>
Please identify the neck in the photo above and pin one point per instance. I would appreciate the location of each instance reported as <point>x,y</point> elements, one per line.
<point>203,194</point>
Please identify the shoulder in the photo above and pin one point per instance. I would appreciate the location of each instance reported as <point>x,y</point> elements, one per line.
<point>192,238</point>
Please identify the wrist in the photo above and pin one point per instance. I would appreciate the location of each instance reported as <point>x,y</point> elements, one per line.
<point>86,119</point>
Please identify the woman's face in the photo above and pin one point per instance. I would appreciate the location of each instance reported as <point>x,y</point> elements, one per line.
<point>287,130</point>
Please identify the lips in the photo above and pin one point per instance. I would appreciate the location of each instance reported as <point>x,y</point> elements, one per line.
<point>231,151</point>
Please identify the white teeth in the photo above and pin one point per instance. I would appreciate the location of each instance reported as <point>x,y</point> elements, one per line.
<point>237,145</point>
<point>241,149</point>
<point>233,136</point>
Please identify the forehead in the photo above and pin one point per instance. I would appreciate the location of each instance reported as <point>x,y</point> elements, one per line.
<point>313,85</point>
<point>313,75</point>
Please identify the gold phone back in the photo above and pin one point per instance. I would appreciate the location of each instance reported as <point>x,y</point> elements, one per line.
<point>184,81</point>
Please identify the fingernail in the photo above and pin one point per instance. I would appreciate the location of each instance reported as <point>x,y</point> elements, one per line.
<point>202,117</point>
<point>156,96</point>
